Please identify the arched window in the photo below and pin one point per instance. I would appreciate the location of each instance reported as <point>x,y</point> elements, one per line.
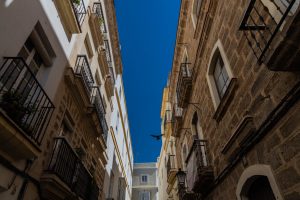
<point>221,77</point>
<point>258,183</point>
<point>219,73</point>
<point>196,11</point>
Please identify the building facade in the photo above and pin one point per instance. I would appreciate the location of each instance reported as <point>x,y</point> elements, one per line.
<point>118,181</point>
<point>167,165</point>
<point>145,181</point>
<point>60,70</point>
<point>234,93</point>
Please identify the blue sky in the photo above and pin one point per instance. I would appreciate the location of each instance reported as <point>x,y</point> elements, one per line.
<point>147,30</point>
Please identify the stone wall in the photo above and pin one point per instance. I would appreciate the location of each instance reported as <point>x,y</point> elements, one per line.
<point>257,93</point>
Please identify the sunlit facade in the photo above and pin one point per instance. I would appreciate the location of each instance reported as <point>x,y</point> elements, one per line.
<point>60,77</point>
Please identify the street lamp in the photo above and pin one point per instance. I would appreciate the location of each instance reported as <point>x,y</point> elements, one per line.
<point>181,183</point>
<point>181,177</point>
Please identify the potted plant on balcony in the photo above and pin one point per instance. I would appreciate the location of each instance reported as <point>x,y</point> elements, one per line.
<point>15,107</point>
<point>77,2</point>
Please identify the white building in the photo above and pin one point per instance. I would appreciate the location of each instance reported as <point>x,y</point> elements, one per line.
<point>145,181</point>
<point>72,49</point>
<point>118,180</point>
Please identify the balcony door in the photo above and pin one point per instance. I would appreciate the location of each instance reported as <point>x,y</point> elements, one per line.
<point>198,134</point>
<point>259,189</point>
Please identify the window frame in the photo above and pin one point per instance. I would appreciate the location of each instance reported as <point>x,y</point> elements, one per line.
<point>141,178</point>
<point>195,16</point>
<point>145,192</point>
<point>257,170</point>
<point>218,50</point>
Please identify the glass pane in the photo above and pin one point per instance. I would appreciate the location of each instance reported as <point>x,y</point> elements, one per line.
<point>198,6</point>
<point>220,82</point>
<point>29,45</point>
<point>23,53</point>
<point>33,67</point>
<point>37,59</point>
<point>224,72</point>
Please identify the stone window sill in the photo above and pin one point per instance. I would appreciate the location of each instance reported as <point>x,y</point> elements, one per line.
<point>226,100</point>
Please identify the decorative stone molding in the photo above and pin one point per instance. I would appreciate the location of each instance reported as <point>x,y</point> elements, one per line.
<point>243,131</point>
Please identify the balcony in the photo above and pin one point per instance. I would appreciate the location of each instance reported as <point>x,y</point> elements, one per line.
<point>25,109</point>
<point>66,175</point>
<point>82,69</point>
<point>72,14</point>
<point>200,175</point>
<point>266,26</point>
<point>107,51</point>
<point>103,63</point>
<point>110,83</point>
<point>177,120</point>
<point>100,111</point>
<point>94,23</point>
<point>97,8</point>
<point>171,168</point>
<point>184,84</point>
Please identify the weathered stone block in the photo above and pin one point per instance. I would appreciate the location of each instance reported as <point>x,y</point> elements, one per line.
<point>288,178</point>
<point>292,124</point>
<point>292,196</point>
<point>291,148</point>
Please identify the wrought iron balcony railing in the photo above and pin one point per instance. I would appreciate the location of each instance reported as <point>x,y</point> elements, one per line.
<point>69,168</point>
<point>79,10</point>
<point>199,171</point>
<point>97,8</point>
<point>184,84</point>
<point>83,69</point>
<point>262,22</point>
<point>23,98</point>
<point>107,51</point>
<point>99,106</point>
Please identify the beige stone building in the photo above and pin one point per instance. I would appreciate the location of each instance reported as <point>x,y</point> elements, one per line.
<point>234,94</point>
<point>58,64</point>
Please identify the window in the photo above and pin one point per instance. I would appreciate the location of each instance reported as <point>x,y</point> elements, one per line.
<point>145,195</point>
<point>196,11</point>
<point>97,78</point>
<point>36,43</point>
<point>196,127</point>
<point>88,46</point>
<point>197,132</point>
<point>144,178</point>
<point>67,125</point>
<point>104,102</point>
<point>219,74</point>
